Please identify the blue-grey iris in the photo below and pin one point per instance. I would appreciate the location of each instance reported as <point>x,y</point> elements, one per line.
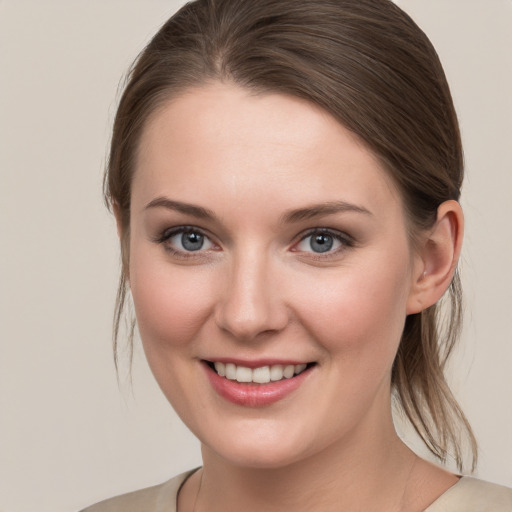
<point>321,242</point>
<point>192,241</point>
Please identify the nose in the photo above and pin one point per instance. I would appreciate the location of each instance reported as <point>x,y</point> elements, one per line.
<point>251,302</point>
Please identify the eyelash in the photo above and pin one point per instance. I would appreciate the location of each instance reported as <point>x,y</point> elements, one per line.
<point>344,239</point>
<point>167,234</point>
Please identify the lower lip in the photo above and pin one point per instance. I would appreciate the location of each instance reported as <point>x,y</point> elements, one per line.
<point>254,395</point>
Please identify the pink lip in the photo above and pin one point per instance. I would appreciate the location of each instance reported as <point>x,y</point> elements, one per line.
<point>254,395</point>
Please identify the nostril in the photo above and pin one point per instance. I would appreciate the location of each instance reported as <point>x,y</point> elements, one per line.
<point>247,320</point>
<point>249,302</point>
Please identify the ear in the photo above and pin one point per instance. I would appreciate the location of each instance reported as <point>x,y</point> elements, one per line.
<point>437,256</point>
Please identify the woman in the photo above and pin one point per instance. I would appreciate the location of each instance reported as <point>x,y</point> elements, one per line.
<point>285,178</point>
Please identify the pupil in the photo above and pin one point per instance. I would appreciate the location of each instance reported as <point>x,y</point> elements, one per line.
<point>321,243</point>
<point>192,241</point>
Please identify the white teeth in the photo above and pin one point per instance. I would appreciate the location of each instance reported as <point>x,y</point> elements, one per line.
<point>276,372</point>
<point>230,371</point>
<point>299,368</point>
<point>261,375</point>
<point>243,374</point>
<point>220,368</point>
<point>289,370</point>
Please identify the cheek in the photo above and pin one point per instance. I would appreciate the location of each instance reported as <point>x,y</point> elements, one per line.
<point>358,313</point>
<point>171,303</point>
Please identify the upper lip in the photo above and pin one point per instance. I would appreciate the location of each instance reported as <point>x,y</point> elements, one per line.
<point>256,363</point>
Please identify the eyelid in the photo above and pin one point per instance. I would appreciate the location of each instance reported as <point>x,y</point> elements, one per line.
<point>168,233</point>
<point>345,239</point>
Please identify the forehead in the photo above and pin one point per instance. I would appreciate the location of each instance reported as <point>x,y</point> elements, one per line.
<point>221,140</point>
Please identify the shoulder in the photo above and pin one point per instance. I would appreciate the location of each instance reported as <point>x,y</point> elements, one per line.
<point>159,498</point>
<point>473,495</point>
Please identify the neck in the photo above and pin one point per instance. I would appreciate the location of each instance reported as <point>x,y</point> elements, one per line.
<point>366,471</point>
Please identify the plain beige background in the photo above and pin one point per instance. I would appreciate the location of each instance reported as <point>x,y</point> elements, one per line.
<point>68,435</point>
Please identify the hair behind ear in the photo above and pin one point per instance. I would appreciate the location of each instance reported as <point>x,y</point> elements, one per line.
<point>430,334</point>
<point>123,289</point>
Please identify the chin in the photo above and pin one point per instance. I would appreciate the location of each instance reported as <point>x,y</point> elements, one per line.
<point>258,457</point>
<point>266,447</point>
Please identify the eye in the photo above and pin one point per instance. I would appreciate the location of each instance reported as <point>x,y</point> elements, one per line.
<point>321,241</point>
<point>186,239</point>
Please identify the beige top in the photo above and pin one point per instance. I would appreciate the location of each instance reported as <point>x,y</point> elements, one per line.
<point>467,495</point>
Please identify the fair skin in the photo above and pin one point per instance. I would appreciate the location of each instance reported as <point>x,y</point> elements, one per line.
<point>262,232</point>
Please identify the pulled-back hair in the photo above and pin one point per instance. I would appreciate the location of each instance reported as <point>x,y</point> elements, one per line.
<point>372,68</point>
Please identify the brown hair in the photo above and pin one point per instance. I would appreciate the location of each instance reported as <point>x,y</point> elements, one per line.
<point>369,65</point>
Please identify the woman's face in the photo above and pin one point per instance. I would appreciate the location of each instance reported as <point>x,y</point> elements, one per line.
<point>265,239</point>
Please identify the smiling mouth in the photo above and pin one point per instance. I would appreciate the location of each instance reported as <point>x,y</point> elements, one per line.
<point>260,375</point>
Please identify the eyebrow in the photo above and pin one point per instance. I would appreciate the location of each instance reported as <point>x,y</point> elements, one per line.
<point>290,217</point>
<point>186,208</point>
<point>319,210</point>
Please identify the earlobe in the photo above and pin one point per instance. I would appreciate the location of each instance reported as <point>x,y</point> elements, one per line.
<point>437,258</point>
